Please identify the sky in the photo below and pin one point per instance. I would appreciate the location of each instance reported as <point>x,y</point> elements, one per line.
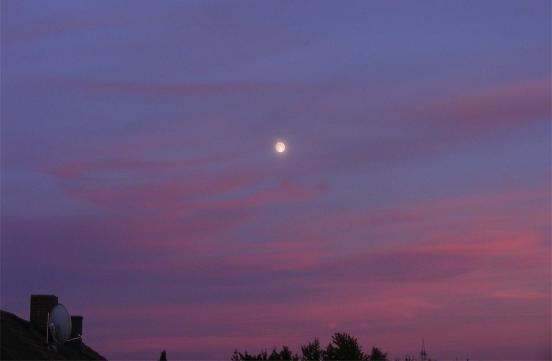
<point>141,186</point>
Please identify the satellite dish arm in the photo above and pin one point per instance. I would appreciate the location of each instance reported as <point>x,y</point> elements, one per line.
<point>47,327</point>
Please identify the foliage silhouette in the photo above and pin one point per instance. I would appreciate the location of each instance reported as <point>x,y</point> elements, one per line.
<point>163,356</point>
<point>343,347</point>
<point>311,351</point>
<point>284,354</point>
<point>377,355</point>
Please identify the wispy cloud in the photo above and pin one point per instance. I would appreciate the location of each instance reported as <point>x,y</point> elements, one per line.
<point>508,106</point>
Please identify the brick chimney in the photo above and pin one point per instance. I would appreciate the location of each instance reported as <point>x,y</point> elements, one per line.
<point>40,306</point>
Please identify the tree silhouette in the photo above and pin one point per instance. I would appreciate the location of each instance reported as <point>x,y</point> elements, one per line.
<point>377,355</point>
<point>344,347</point>
<point>163,356</point>
<point>312,351</point>
<point>274,356</point>
<point>238,356</point>
<point>283,355</point>
<point>286,354</point>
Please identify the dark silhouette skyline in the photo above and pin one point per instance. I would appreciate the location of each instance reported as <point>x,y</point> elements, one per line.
<point>141,181</point>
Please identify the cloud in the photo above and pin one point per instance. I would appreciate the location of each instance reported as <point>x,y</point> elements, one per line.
<point>175,204</point>
<point>431,127</point>
<point>150,192</point>
<point>503,107</point>
<point>282,193</point>
<point>76,170</point>
<point>164,88</point>
<point>459,258</point>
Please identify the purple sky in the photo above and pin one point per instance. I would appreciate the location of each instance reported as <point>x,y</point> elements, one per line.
<point>140,185</point>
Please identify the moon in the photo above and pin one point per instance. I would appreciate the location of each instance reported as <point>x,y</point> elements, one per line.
<point>280,147</point>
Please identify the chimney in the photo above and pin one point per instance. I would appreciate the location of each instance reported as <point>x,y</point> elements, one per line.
<point>40,306</point>
<point>76,326</point>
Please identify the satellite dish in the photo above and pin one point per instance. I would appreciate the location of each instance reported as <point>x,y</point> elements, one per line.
<point>59,324</point>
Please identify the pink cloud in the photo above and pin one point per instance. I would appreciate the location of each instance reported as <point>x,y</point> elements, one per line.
<point>186,212</point>
<point>478,256</point>
<point>518,295</point>
<point>283,193</point>
<point>171,195</point>
<point>76,170</point>
<point>513,105</point>
<point>238,323</point>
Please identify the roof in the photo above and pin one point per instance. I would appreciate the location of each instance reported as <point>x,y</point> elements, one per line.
<point>20,341</point>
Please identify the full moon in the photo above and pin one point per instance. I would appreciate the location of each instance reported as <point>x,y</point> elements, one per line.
<point>280,147</point>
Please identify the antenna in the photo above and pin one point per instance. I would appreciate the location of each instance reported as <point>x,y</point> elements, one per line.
<point>423,353</point>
